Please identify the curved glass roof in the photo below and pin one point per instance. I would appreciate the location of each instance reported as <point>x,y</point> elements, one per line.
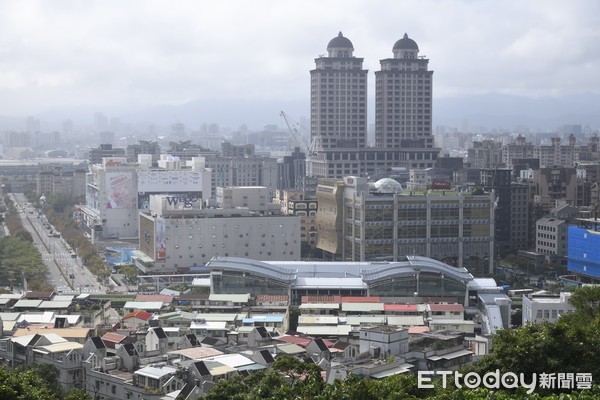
<point>369,272</point>
<point>259,267</point>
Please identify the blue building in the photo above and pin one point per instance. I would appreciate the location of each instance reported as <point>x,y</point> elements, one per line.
<point>584,252</point>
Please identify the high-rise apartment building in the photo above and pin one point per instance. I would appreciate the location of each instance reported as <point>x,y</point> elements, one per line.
<point>339,113</point>
<point>339,97</point>
<point>403,99</point>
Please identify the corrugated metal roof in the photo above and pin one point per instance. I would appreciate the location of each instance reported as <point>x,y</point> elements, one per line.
<point>52,304</point>
<point>325,330</point>
<point>362,307</point>
<point>63,297</point>
<point>357,320</point>
<point>62,347</point>
<point>153,372</point>
<point>235,298</point>
<point>400,369</point>
<point>263,318</point>
<point>222,317</point>
<point>320,306</point>
<point>144,305</point>
<point>27,303</point>
<point>400,307</point>
<point>197,353</point>
<point>10,316</point>
<point>291,349</point>
<point>232,360</point>
<point>405,320</point>
<point>317,320</point>
<point>80,333</point>
<point>446,307</point>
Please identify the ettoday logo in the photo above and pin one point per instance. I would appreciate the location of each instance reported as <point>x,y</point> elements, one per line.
<point>507,380</point>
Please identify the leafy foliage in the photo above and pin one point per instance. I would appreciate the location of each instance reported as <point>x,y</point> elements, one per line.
<point>19,258</point>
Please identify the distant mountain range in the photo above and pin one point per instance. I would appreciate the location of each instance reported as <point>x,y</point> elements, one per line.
<point>475,113</point>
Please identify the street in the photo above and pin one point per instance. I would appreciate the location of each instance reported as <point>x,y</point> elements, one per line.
<point>65,270</point>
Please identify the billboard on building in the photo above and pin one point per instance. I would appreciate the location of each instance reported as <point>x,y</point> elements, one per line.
<point>161,244</point>
<point>119,190</point>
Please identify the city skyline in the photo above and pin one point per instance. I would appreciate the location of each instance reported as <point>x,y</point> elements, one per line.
<point>122,57</point>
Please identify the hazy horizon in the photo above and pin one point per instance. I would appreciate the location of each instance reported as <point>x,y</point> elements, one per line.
<point>123,59</point>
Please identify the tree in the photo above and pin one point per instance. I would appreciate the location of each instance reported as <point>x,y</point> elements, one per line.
<point>24,385</point>
<point>130,273</point>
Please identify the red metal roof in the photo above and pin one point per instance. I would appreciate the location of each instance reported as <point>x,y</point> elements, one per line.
<point>272,298</point>
<point>361,299</point>
<point>418,329</point>
<point>321,299</point>
<point>113,337</point>
<point>400,307</point>
<point>446,307</point>
<point>140,314</point>
<point>165,298</point>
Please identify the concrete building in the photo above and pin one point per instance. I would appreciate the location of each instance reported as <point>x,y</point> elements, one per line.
<point>559,183</point>
<point>384,341</point>
<point>116,190</point>
<point>369,225</point>
<point>403,97</point>
<point>557,155</point>
<point>551,238</point>
<point>296,203</point>
<point>111,200</point>
<point>485,154</point>
<point>519,149</point>
<point>252,197</point>
<point>178,238</point>
<point>511,209</point>
<point>339,97</point>
<point>96,154</point>
<point>56,180</point>
<point>232,171</point>
<point>545,308</point>
<point>339,113</point>
<point>583,250</point>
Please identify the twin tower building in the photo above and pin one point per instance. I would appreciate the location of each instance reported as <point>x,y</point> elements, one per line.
<point>403,112</point>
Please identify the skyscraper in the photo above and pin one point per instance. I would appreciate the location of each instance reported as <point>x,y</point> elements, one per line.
<point>403,99</point>
<point>339,113</point>
<point>339,97</point>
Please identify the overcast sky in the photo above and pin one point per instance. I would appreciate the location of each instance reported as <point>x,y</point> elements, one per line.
<point>59,54</point>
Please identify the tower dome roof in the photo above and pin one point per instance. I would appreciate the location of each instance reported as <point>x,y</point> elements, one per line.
<point>340,42</point>
<point>387,185</point>
<point>406,43</point>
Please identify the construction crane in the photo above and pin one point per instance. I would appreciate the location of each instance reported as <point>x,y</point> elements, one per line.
<point>304,146</point>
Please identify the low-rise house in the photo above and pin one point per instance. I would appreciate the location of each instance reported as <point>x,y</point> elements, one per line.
<point>206,374</point>
<point>466,327</point>
<point>446,311</point>
<point>79,335</point>
<point>112,339</point>
<point>538,308</point>
<point>442,350</point>
<point>156,341</point>
<point>383,341</point>
<point>149,306</point>
<point>136,319</point>
<point>49,348</point>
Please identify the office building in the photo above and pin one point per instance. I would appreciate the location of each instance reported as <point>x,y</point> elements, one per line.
<point>385,223</point>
